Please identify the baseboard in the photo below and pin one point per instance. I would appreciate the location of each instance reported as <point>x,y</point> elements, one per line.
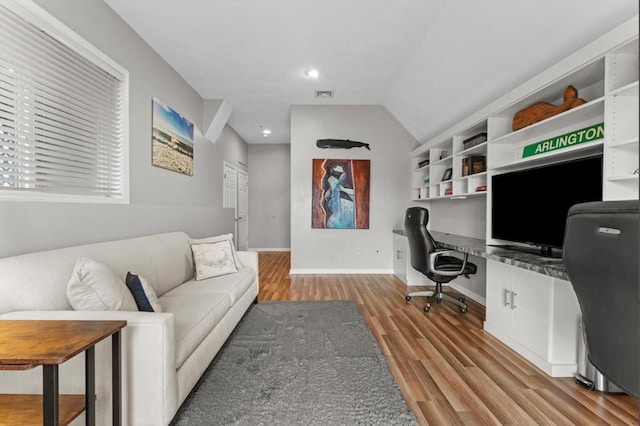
<point>553,370</point>
<point>420,280</point>
<point>269,249</point>
<point>339,271</point>
<point>468,293</point>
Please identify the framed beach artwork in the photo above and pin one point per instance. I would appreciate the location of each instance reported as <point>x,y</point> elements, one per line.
<point>172,139</point>
<point>340,194</point>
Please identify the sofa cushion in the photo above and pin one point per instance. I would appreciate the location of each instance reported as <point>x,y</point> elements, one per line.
<point>233,285</point>
<point>194,318</point>
<point>213,259</point>
<point>217,238</point>
<point>94,286</point>
<point>143,294</point>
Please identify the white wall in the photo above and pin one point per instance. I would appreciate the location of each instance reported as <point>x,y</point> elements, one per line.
<point>462,216</point>
<point>161,200</point>
<point>334,250</point>
<point>270,197</point>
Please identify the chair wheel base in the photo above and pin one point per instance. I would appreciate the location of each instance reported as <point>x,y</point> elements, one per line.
<point>426,308</point>
<point>463,310</point>
<point>407,298</point>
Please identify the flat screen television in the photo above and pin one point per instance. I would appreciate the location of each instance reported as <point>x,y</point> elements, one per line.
<point>530,206</point>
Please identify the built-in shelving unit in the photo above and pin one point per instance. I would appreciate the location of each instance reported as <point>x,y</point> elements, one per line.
<point>605,74</point>
<point>429,181</point>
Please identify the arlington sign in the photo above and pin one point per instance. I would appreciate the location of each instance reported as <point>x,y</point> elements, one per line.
<point>576,137</point>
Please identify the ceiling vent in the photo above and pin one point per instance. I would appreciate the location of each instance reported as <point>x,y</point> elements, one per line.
<point>324,93</point>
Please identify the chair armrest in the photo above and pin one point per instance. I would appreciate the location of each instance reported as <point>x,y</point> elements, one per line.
<point>250,259</point>
<point>432,262</point>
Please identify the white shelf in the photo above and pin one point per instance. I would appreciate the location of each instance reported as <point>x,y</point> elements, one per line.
<point>623,177</point>
<point>457,196</point>
<point>629,143</point>
<point>474,175</point>
<point>582,150</point>
<point>444,161</point>
<point>478,149</point>
<point>630,89</point>
<point>592,111</point>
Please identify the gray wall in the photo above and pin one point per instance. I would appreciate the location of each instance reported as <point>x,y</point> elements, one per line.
<point>463,217</point>
<point>160,200</point>
<point>270,197</point>
<point>334,250</point>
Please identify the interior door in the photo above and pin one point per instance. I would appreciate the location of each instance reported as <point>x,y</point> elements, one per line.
<point>242,220</point>
<point>230,194</point>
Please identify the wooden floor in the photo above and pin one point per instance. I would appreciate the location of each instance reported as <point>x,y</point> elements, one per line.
<point>450,371</point>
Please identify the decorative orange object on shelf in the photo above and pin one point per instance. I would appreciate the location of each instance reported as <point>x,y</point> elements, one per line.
<point>543,110</point>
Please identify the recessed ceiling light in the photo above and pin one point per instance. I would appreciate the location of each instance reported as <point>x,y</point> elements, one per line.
<point>266,132</point>
<point>312,73</point>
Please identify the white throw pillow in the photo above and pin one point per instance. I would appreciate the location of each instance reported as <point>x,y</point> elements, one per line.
<point>213,259</point>
<point>143,294</point>
<point>217,238</point>
<point>94,286</point>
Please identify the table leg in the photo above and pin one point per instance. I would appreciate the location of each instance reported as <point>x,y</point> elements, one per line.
<point>116,372</point>
<point>50,394</point>
<point>90,385</point>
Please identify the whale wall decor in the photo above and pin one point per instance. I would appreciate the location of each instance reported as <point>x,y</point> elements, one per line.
<point>340,144</point>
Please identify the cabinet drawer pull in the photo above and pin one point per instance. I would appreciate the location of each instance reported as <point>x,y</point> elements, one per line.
<point>506,298</point>
<point>398,254</point>
<point>513,303</point>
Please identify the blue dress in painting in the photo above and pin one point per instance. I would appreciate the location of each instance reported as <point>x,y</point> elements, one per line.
<point>339,200</point>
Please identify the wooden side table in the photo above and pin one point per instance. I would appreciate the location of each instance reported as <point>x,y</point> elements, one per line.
<point>25,344</point>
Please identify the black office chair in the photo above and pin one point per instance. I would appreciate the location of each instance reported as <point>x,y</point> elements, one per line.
<point>439,265</point>
<point>600,253</point>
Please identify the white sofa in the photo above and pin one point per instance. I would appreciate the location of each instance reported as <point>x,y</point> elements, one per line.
<point>164,354</point>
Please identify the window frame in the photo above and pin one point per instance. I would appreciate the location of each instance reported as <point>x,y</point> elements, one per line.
<point>54,28</point>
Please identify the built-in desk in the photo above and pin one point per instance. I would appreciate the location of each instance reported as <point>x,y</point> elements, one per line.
<point>478,247</point>
<point>530,304</point>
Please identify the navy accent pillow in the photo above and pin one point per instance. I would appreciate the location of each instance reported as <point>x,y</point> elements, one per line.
<point>139,295</point>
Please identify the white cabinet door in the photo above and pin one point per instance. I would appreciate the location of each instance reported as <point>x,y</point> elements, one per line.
<point>400,257</point>
<point>498,311</point>
<point>535,314</point>
<point>532,305</point>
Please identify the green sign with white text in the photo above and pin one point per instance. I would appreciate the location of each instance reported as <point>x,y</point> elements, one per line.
<point>576,137</point>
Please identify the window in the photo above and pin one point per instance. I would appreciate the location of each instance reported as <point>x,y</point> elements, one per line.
<point>63,113</point>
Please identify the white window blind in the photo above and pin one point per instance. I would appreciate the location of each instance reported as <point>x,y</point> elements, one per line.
<point>62,118</point>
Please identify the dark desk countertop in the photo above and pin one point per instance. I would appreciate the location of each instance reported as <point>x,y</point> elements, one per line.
<point>478,247</point>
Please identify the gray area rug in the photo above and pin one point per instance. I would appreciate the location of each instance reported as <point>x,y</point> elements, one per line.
<point>298,363</point>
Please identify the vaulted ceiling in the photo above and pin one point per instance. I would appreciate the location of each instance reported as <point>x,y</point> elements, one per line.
<point>429,62</point>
